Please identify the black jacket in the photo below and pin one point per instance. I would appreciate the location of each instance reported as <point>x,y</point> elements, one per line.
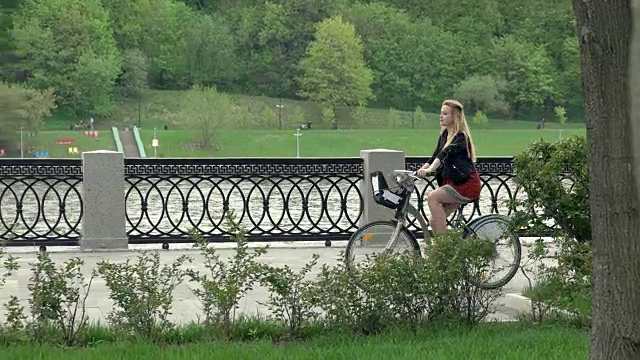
<point>457,165</point>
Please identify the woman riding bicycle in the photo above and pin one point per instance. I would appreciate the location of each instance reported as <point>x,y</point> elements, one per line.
<point>453,161</point>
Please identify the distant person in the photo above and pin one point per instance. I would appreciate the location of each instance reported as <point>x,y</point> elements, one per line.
<point>453,162</point>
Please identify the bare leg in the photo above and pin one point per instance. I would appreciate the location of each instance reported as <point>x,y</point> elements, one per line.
<point>441,205</point>
<point>450,209</point>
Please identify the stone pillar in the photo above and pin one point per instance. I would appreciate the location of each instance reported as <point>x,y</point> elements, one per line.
<point>385,161</point>
<point>103,203</point>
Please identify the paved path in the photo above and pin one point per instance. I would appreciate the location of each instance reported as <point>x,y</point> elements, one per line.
<point>186,306</point>
<point>128,143</point>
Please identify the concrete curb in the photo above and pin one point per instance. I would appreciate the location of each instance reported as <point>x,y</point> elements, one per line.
<point>288,245</point>
<point>518,303</point>
<point>522,305</point>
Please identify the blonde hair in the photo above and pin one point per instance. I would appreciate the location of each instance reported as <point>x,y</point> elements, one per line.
<point>459,125</point>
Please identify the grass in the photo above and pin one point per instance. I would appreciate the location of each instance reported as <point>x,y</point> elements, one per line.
<point>332,143</point>
<point>487,341</point>
<point>572,300</point>
<point>163,107</point>
<point>46,141</point>
<point>160,108</point>
<point>259,136</point>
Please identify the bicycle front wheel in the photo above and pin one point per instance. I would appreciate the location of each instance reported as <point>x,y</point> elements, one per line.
<point>506,260</point>
<point>374,237</point>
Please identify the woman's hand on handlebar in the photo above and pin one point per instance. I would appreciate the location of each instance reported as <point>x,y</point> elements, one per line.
<point>423,172</point>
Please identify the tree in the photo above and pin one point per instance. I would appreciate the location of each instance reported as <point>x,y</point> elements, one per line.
<point>334,70</point>
<point>483,93</point>
<point>67,45</point>
<point>126,18</point>
<point>11,103</point>
<point>22,107</point>
<point>419,117</point>
<point>165,43</point>
<point>393,118</point>
<point>528,71</point>
<point>7,56</point>
<point>135,76</point>
<point>634,82</point>
<point>210,51</point>
<point>413,62</point>
<point>272,38</point>
<point>605,38</point>
<point>480,119</point>
<point>207,110</point>
<point>561,114</point>
<point>37,106</point>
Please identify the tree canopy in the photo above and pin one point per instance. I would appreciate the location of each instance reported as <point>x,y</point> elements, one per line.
<point>525,54</point>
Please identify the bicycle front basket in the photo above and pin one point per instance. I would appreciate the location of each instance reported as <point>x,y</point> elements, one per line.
<point>381,192</point>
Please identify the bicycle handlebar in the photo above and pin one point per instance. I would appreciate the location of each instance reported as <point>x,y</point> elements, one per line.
<point>408,173</point>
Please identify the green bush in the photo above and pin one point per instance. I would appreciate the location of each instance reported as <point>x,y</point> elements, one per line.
<point>225,283</point>
<point>480,119</point>
<point>142,291</point>
<point>383,293</point>
<point>555,179</point>
<point>406,291</point>
<point>561,114</point>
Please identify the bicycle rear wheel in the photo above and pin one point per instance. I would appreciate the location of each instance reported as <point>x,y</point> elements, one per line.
<point>497,228</point>
<point>372,238</point>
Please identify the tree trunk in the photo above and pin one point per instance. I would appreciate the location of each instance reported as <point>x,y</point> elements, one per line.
<point>634,69</point>
<point>604,30</point>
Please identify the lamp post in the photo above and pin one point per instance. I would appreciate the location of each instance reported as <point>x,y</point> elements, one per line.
<point>155,144</point>
<point>139,111</point>
<point>21,143</point>
<point>297,135</point>
<point>280,106</point>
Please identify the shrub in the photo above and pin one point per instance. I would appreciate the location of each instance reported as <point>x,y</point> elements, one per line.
<point>57,297</point>
<point>561,114</point>
<point>224,284</point>
<point>554,177</point>
<point>419,117</point>
<point>400,290</point>
<point>455,266</point>
<point>290,294</point>
<point>351,299</point>
<point>328,115</point>
<point>394,119</point>
<point>480,118</point>
<point>142,292</point>
<point>359,115</point>
<point>386,291</point>
<point>9,265</point>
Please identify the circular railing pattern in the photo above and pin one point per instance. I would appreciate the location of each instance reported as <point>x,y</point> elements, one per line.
<point>40,202</point>
<point>278,199</point>
<point>273,199</point>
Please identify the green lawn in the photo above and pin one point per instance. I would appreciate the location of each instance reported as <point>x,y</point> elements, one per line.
<point>160,108</point>
<point>338,143</point>
<point>487,341</point>
<point>282,143</point>
<point>257,136</point>
<point>163,107</point>
<point>46,141</point>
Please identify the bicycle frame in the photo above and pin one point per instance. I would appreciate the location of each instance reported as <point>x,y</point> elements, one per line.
<point>406,179</point>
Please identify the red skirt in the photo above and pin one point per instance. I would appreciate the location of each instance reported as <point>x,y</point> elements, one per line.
<point>469,189</point>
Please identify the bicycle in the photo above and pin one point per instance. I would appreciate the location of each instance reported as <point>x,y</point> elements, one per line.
<point>399,201</point>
